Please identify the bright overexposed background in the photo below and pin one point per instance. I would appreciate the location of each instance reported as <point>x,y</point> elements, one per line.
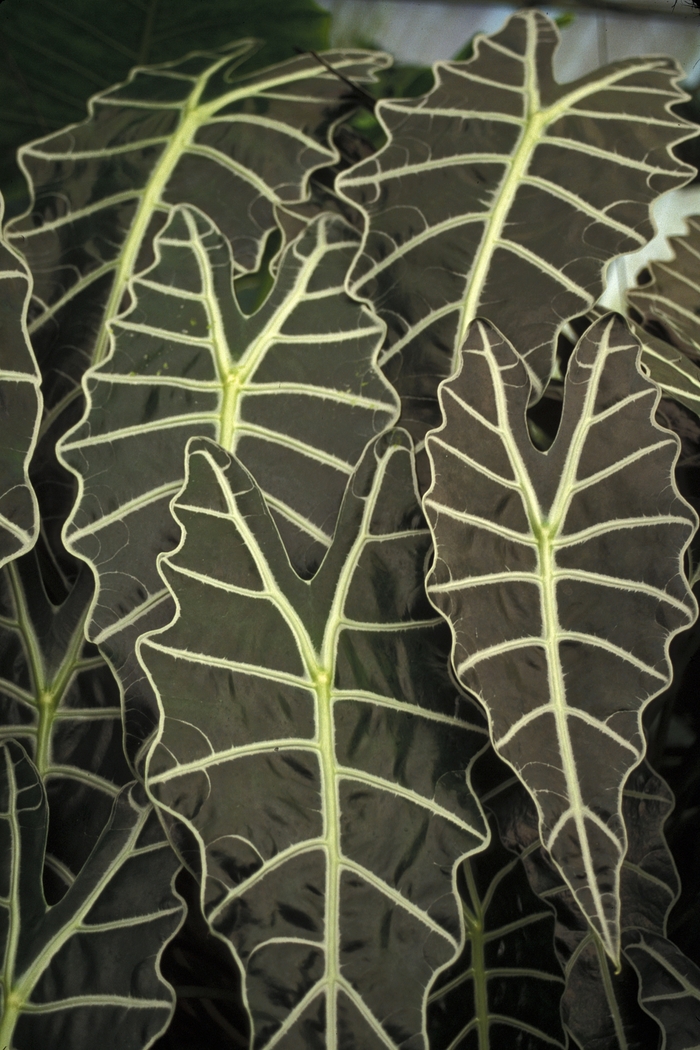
<point>423,32</point>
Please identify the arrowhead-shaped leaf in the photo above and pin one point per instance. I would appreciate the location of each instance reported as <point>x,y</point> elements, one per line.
<point>511,192</point>
<point>20,408</point>
<point>85,972</point>
<point>561,574</point>
<point>293,389</point>
<point>602,1007</point>
<point>59,698</point>
<point>317,753</point>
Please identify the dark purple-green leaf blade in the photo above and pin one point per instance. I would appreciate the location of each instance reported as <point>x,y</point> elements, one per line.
<point>561,575</point>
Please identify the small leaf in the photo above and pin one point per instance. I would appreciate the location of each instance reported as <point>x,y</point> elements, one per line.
<point>58,697</point>
<point>504,990</point>
<point>20,408</point>
<point>561,574</point>
<point>85,972</point>
<point>669,988</point>
<point>671,299</point>
<point>316,752</point>
<point>502,194</point>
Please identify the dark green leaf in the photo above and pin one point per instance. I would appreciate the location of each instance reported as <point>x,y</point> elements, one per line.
<point>503,992</point>
<point>55,55</point>
<point>84,973</point>
<point>561,574</point>
<point>670,301</point>
<point>194,132</point>
<point>59,698</point>
<point>503,194</point>
<point>315,750</point>
<point>669,988</point>
<point>602,1007</point>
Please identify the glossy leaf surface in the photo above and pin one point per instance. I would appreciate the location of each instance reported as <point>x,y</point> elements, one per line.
<point>292,389</point>
<point>186,132</point>
<point>503,194</point>
<point>561,574</point>
<point>59,699</point>
<point>503,992</point>
<point>83,973</point>
<point>316,752</point>
<point>676,374</point>
<point>20,408</point>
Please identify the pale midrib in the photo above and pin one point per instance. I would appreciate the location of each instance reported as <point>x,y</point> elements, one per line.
<point>494,226</point>
<point>234,378</point>
<point>536,121</point>
<point>47,694</point>
<point>545,532</point>
<point>189,121</point>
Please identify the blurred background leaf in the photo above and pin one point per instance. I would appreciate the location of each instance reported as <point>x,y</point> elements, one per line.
<point>54,56</point>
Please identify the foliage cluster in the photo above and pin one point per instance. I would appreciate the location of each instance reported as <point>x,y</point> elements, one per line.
<point>346,553</point>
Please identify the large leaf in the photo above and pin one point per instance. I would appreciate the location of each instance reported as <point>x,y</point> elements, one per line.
<point>316,753</point>
<point>293,389</point>
<point>561,574</point>
<point>503,194</point>
<point>59,698</point>
<point>85,972</point>
<point>669,303</point>
<point>20,408</point>
<point>56,56</point>
<point>194,131</point>
<point>503,992</point>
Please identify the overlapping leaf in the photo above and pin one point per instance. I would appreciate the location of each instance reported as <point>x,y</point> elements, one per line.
<point>670,368</point>
<point>85,972</point>
<point>185,132</point>
<point>316,751</point>
<point>669,989</point>
<point>59,698</point>
<point>293,389</point>
<point>503,194</point>
<point>561,575</point>
<point>670,300</point>
<point>603,1008</point>
<point>504,990</point>
<point>20,408</point>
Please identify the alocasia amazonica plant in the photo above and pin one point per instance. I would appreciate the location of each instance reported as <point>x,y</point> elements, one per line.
<point>337,584</point>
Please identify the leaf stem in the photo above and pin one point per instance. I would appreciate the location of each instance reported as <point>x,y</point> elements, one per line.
<point>475,931</point>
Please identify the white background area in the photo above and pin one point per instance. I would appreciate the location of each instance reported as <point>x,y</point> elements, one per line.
<point>423,32</point>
